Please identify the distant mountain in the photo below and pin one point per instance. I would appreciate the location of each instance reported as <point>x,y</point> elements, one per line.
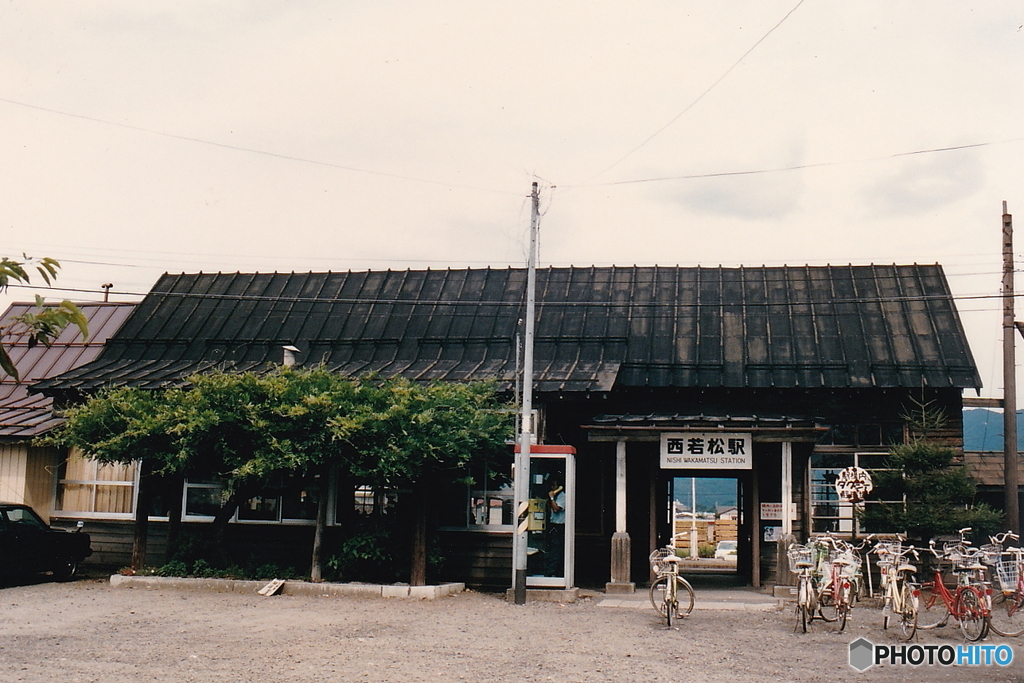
<point>983,430</point>
<point>711,492</point>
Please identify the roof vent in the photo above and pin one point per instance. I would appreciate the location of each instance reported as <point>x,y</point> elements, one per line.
<point>289,356</point>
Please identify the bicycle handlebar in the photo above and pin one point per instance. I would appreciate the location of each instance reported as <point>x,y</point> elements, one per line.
<point>1001,538</point>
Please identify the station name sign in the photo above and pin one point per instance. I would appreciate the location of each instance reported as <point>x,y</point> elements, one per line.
<point>706,451</point>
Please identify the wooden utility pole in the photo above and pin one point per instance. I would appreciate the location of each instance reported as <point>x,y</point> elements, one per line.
<point>522,458</point>
<point>1010,472</point>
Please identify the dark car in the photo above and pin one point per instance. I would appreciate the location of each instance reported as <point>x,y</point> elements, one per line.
<point>29,546</point>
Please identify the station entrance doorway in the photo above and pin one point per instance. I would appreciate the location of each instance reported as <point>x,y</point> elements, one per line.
<point>706,518</point>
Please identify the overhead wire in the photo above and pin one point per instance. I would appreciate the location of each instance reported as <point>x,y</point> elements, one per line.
<point>699,97</point>
<point>540,303</point>
<point>799,167</point>
<point>252,150</point>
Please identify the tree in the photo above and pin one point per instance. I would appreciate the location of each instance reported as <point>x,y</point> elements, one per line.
<point>124,425</point>
<point>246,428</point>
<point>413,434</point>
<point>937,495</point>
<point>242,428</point>
<point>45,323</point>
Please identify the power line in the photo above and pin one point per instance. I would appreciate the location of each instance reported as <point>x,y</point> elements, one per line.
<point>799,167</point>
<point>631,303</point>
<point>251,150</point>
<point>699,97</point>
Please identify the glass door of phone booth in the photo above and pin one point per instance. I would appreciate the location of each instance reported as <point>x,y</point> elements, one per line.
<point>550,548</point>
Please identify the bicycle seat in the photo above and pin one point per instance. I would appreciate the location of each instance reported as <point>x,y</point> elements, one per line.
<point>906,568</point>
<point>803,565</point>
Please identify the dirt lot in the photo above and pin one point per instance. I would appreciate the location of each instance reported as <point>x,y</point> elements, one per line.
<point>87,631</point>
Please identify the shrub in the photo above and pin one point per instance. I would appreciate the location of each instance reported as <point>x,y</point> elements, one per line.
<point>173,568</point>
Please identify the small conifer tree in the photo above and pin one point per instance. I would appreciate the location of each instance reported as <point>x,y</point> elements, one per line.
<point>925,493</point>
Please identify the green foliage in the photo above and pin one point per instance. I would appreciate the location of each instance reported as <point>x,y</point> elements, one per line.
<point>248,428</point>
<point>173,568</point>
<point>121,425</point>
<point>368,555</point>
<point>402,431</point>
<point>44,324</point>
<point>925,417</point>
<point>938,495</point>
<point>204,569</point>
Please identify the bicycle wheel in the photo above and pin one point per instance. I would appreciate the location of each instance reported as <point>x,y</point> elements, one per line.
<point>1007,618</point>
<point>908,611</point>
<point>802,603</point>
<point>657,594</point>
<point>931,608</point>
<point>843,604</point>
<point>970,609</point>
<point>827,604</point>
<point>684,598</point>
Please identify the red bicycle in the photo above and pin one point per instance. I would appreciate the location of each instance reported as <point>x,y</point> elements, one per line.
<point>967,601</point>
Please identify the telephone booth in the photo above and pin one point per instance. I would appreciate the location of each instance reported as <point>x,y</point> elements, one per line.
<point>551,525</point>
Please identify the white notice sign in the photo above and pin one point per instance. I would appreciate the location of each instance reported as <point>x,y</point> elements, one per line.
<point>706,451</point>
<point>774,510</point>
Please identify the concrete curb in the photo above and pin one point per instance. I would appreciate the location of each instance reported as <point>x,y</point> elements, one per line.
<point>334,590</point>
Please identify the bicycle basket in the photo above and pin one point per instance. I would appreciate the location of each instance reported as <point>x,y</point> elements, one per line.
<point>800,556</point>
<point>990,553</point>
<point>954,552</point>
<point>1007,570</point>
<point>657,560</point>
<point>848,559</point>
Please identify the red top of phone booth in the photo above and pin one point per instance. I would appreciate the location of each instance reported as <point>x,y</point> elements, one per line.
<point>549,448</point>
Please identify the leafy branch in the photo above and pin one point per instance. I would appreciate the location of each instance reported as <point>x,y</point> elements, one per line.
<point>43,324</point>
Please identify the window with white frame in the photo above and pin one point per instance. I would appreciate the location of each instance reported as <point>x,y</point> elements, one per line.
<point>203,498</point>
<point>87,487</point>
<point>292,499</point>
<point>828,511</point>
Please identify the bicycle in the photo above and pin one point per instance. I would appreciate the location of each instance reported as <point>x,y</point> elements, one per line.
<point>839,580</point>
<point>967,603</point>
<point>901,594</point>
<point>1006,613</point>
<point>801,562</point>
<point>671,595</point>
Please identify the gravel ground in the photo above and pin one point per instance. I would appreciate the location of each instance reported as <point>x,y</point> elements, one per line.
<point>87,631</point>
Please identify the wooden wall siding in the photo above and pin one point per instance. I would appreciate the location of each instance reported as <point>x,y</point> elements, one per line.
<point>40,476</point>
<point>987,468</point>
<point>285,545</point>
<point>13,463</point>
<point>111,541</point>
<point>480,560</point>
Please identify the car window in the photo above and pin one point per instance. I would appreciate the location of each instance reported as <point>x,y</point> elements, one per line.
<point>23,517</point>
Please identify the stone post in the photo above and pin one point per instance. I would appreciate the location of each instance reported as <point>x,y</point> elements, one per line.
<point>621,550</point>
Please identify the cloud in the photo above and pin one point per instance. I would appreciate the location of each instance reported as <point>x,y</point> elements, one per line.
<point>770,196</point>
<point>920,184</point>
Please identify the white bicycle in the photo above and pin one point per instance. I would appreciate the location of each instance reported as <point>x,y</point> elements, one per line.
<point>671,594</point>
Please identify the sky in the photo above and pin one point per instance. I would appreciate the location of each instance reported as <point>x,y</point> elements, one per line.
<point>143,138</point>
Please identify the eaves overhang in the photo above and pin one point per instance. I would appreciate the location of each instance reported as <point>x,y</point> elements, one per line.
<point>650,427</point>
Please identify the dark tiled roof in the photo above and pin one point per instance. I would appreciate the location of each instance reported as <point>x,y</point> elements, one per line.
<point>830,326</point>
<point>22,415</point>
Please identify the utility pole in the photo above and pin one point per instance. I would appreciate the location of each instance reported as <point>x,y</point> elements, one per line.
<point>1010,472</point>
<point>522,459</point>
